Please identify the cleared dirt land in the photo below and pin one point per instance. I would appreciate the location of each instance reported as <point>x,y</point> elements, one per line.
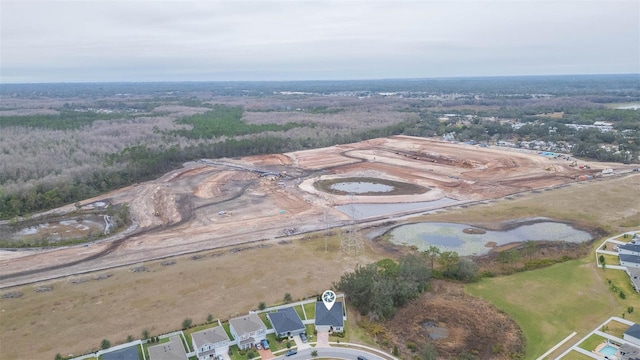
<point>212,204</point>
<point>229,219</point>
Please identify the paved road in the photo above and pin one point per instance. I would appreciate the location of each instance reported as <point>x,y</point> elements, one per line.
<point>334,353</point>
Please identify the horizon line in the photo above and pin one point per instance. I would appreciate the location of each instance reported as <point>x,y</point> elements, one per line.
<point>319,80</point>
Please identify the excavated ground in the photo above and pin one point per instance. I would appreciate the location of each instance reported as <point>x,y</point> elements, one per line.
<point>219,203</point>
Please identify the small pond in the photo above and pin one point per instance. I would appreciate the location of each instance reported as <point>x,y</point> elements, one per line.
<point>367,186</point>
<point>361,187</point>
<point>453,237</point>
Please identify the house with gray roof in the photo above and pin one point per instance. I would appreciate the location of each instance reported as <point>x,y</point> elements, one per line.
<point>172,350</point>
<point>247,330</point>
<point>632,334</point>
<point>210,342</point>
<point>628,352</point>
<point>329,320</point>
<point>632,248</point>
<point>629,260</point>
<point>634,276</point>
<point>286,322</point>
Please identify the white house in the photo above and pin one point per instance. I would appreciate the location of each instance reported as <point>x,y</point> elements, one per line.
<point>247,330</point>
<point>210,342</point>
<point>632,334</point>
<point>172,350</point>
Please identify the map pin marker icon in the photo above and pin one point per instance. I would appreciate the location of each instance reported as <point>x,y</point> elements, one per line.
<point>328,298</point>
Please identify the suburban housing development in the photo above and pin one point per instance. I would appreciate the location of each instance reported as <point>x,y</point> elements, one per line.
<point>249,331</point>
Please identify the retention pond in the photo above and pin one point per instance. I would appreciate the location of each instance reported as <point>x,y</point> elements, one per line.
<point>468,240</point>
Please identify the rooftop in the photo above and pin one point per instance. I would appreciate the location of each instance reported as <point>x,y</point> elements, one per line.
<point>630,247</point>
<point>629,258</point>
<point>285,320</point>
<point>172,350</point>
<point>247,324</point>
<point>629,352</point>
<point>634,331</point>
<point>209,336</point>
<point>333,317</point>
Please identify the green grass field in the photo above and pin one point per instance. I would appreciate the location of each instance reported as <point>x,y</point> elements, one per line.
<point>550,303</point>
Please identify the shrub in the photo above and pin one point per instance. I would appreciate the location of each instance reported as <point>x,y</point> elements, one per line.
<point>105,344</point>
<point>412,346</point>
<point>622,295</point>
<point>262,305</point>
<point>186,323</point>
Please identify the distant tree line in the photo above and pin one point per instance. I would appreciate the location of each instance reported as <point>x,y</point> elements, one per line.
<point>141,162</point>
<point>64,120</point>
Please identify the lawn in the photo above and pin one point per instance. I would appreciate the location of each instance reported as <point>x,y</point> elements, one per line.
<point>550,303</point>
<point>274,345</point>
<point>615,328</point>
<point>265,320</point>
<point>310,309</point>
<point>620,281</point>
<point>592,342</point>
<point>574,355</point>
<point>300,311</point>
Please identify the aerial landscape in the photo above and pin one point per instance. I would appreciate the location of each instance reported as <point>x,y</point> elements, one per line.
<point>206,197</point>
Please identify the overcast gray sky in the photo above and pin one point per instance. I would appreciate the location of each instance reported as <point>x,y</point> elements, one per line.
<point>68,41</point>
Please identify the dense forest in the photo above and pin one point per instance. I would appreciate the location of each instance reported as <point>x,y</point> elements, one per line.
<point>61,143</point>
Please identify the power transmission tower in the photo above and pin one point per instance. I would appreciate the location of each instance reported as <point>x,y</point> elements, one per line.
<point>328,200</point>
<point>350,242</point>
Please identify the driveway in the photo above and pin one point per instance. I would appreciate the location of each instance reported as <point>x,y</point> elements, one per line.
<point>300,344</point>
<point>266,354</point>
<point>322,339</point>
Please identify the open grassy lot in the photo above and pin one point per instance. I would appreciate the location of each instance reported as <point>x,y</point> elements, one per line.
<point>159,299</point>
<point>611,206</point>
<point>550,303</point>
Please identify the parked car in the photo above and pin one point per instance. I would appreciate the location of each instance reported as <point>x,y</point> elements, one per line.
<point>303,337</point>
<point>291,352</point>
<point>361,358</point>
<point>265,344</point>
<point>258,346</point>
<point>219,357</point>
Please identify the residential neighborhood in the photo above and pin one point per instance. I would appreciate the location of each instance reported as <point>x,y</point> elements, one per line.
<point>278,330</point>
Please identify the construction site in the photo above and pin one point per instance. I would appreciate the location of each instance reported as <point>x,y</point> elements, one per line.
<point>210,204</point>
